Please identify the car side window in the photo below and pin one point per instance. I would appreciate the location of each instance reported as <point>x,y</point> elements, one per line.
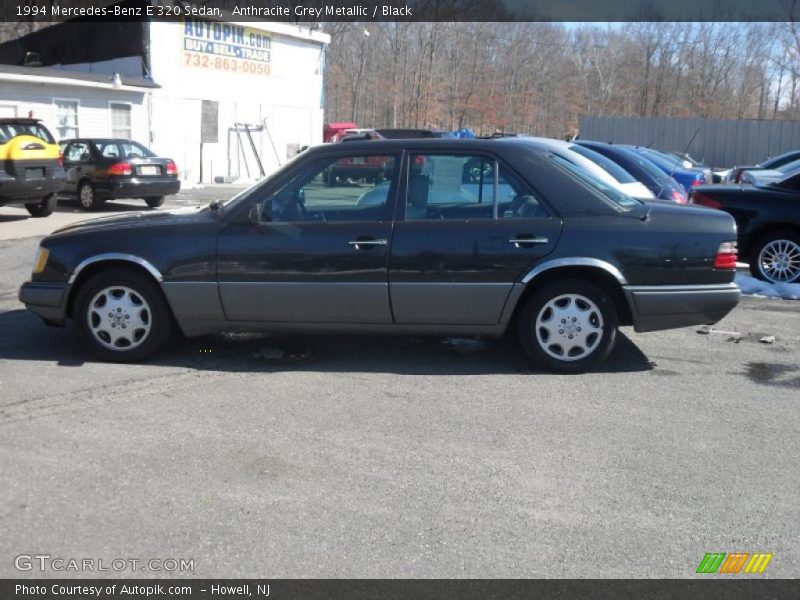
<point>442,186</point>
<point>77,152</point>
<point>108,149</point>
<point>344,188</point>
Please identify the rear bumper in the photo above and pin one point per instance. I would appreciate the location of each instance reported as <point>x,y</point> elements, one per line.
<point>17,190</point>
<point>655,307</point>
<point>47,300</point>
<point>137,187</point>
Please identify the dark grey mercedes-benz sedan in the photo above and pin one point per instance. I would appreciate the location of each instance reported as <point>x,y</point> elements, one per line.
<point>471,237</point>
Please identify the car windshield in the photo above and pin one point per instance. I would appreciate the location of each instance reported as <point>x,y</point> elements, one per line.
<point>617,172</point>
<point>605,191</point>
<point>660,160</point>
<point>13,129</point>
<point>790,182</point>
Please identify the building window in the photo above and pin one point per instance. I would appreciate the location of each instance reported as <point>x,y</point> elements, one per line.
<point>67,118</point>
<point>121,121</point>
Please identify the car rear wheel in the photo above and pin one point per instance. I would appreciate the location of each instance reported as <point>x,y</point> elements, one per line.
<point>154,201</point>
<point>45,208</point>
<point>87,196</point>
<point>568,326</point>
<point>122,315</point>
<point>776,257</point>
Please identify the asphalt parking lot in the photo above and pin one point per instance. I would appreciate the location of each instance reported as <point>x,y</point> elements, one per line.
<point>379,457</point>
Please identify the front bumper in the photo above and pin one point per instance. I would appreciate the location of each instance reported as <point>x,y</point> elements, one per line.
<point>656,307</point>
<point>47,300</point>
<point>139,187</point>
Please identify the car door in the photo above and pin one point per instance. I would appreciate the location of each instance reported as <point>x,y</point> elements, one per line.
<point>471,228</point>
<point>317,248</point>
<point>76,159</point>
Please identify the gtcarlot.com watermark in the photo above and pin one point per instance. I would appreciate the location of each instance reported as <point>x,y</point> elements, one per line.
<point>56,564</point>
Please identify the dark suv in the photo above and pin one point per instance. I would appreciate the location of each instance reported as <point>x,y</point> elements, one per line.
<point>465,237</point>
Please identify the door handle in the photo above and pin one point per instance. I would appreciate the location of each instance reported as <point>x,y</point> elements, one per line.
<point>368,242</point>
<point>528,240</point>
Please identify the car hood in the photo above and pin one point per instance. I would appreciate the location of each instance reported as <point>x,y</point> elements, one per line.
<point>137,219</point>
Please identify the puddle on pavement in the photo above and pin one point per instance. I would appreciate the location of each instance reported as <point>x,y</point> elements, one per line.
<point>775,374</point>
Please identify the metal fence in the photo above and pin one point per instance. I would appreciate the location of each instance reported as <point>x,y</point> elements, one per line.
<point>716,142</point>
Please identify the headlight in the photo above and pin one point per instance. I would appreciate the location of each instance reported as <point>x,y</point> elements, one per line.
<point>41,260</point>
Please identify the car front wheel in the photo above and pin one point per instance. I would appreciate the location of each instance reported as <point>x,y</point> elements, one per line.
<point>45,208</point>
<point>568,326</point>
<point>122,315</point>
<point>776,257</point>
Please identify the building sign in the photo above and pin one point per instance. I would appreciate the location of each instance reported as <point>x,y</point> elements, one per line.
<point>226,47</point>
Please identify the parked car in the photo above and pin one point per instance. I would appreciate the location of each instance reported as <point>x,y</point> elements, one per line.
<point>607,171</point>
<point>558,256</point>
<point>687,161</point>
<point>103,169</point>
<point>661,185</point>
<point>768,221</point>
<point>352,169</point>
<point>762,176</point>
<point>735,174</point>
<point>410,134</point>
<point>30,166</point>
<point>671,165</point>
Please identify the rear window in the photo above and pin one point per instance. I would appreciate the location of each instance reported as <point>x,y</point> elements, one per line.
<point>617,172</point>
<point>789,167</point>
<point>605,191</point>
<point>12,130</point>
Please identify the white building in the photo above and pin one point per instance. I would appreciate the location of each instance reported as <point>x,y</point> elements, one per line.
<point>191,90</point>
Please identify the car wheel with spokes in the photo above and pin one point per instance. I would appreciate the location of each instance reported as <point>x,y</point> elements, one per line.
<point>776,257</point>
<point>87,197</point>
<point>122,315</point>
<point>568,326</point>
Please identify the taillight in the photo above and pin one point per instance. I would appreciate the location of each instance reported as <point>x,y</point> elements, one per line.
<point>697,181</point>
<point>172,168</point>
<point>703,200</point>
<point>679,197</point>
<point>60,158</point>
<point>726,256</point>
<point>121,168</point>
<point>419,160</point>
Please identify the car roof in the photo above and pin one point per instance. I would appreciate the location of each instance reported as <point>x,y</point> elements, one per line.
<point>460,144</point>
<point>19,120</point>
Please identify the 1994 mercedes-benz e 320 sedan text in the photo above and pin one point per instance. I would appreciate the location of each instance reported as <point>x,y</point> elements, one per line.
<point>457,237</point>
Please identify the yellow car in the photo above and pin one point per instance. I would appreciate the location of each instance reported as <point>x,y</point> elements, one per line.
<point>30,166</point>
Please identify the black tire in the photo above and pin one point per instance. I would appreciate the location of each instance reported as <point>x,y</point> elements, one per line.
<point>87,197</point>
<point>45,208</point>
<point>790,240</point>
<point>597,344</point>
<point>154,201</point>
<point>159,314</point>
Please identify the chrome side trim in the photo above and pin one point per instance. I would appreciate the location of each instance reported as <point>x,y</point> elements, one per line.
<point>578,261</point>
<point>115,256</point>
<point>691,287</point>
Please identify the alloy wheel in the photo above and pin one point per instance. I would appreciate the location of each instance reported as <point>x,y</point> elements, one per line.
<point>569,327</point>
<point>119,318</point>
<point>779,260</point>
<point>87,196</point>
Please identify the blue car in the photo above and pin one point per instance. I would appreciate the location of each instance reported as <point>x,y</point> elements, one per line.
<point>654,179</point>
<point>671,165</point>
